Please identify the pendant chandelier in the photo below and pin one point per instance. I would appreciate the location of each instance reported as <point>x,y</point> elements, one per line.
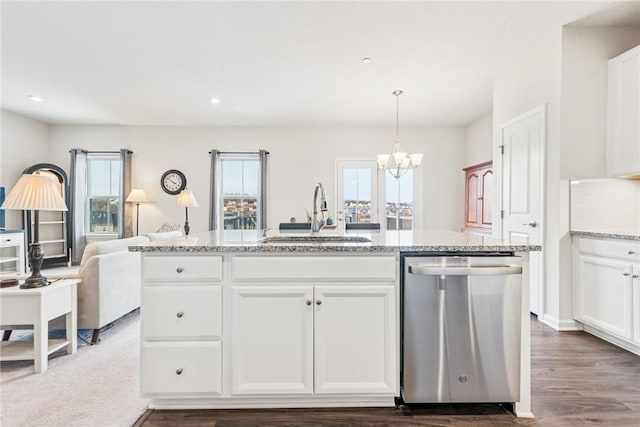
<point>398,162</point>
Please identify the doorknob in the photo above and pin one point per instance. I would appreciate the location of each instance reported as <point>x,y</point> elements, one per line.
<point>531,224</point>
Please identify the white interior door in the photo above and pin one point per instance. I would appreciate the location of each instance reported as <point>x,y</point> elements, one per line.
<point>522,172</point>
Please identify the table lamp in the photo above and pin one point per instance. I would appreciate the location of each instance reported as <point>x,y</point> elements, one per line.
<point>188,200</point>
<point>137,196</point>
<point>36,192</point>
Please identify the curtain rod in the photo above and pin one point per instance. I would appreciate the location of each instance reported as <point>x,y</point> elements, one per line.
<point>102,152</point>
<point>239,152</point>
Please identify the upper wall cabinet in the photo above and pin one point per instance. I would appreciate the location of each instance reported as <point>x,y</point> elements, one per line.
<point>478,196</point>
<point>623,121</point>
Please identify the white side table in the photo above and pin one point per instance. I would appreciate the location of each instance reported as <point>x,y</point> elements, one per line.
<point>36,307</point>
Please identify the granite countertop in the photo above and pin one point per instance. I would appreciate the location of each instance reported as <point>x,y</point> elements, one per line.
<point>385,241</point>
<point>609,234</point>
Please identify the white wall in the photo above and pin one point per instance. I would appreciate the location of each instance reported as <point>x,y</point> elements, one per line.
<point>585,52</point>
<point>299,158</point>
<point>480,140</point>
<point>524,81</point>
<point>537,77</point>
<point>24,142</point>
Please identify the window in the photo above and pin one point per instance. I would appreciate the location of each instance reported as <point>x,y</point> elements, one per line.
<point>103,193</point>
<point>239,190</point>
<point>360,185</point>
<point>357,191</point>
<point>240,195</point>
<point>399,206</point>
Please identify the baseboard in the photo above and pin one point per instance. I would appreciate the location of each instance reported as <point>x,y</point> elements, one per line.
<point>560,325</point>
<point>635,349</point>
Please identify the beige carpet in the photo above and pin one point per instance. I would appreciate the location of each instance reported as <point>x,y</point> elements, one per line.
<point>97,387</point>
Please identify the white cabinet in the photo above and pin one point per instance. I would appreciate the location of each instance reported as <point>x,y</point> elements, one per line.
<point>354,334</point>
<point>607,289</point>
<point>181,326</point>
<point>306,339</point>
<point>272,350</point>
<point>258,330</point>
<point>623,120</point>
<point>12,253</point>
<point>318,336</point>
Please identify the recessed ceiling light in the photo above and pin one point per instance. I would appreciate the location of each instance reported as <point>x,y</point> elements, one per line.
<point>366,60</point>
<point>34,98</point>
<point>214,100</point>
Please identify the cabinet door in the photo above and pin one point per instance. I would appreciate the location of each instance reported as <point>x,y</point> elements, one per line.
<point>486,193</point>
<point>472,216</point>
<point>272,346</point>
<point>623,125</point>
<point>478,194</point>
<point>604,294</point>
<point>355,335</point>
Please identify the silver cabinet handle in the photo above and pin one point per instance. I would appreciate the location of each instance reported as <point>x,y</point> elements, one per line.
<point>308,302</point>
<point>531,224</point>
<point>480,270</point>
<point>318,302</point>
<point>179,371</point>
<point>626,274</point>
<point>179,269</point>
<point>635,276</point>
<point>179,314</point>
<point>631,252</point>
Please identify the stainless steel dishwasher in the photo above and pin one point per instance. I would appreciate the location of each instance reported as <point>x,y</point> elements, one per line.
<point>461,329</point>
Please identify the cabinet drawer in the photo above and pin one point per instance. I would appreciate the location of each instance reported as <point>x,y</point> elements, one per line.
<point>11,239</point>
<point>189,267</point>
<point>628,250</point>
<point>317,268</point>
<point>181,368</point>
<point>181,311</point>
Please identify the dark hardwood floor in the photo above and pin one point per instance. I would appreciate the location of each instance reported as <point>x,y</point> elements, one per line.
<point>577,380</point>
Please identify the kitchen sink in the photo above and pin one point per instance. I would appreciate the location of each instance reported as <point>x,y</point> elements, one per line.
<point>315,239</point>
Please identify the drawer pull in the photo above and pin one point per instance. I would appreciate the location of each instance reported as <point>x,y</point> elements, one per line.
<point>180,314</point>
<point>635,276</point>
<point>308,302</point>
<point>179,269</point>
<point>631,252</point>
<point>318,302</point>
<point>179,371</point>
<point>626,274</point>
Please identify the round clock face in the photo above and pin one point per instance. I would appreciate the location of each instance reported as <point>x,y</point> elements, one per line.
<point>173,181</point>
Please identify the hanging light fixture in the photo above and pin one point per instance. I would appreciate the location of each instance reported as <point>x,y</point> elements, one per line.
<point>398,162</point>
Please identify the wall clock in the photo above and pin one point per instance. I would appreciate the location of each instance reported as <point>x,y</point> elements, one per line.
<point>173,182</point>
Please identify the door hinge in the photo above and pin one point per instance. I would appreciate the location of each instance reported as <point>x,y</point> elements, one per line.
<point>502,214</point>
<point>501,147</point>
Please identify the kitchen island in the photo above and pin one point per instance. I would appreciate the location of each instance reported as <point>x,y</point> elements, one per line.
<point>229,321</point>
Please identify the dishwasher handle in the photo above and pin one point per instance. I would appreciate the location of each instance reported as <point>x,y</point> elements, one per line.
<point>479,270</point>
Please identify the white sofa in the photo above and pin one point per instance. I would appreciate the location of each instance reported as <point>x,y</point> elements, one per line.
<point>110,280</point>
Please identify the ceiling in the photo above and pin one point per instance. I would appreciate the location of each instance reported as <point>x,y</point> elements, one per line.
<point>269,63</point>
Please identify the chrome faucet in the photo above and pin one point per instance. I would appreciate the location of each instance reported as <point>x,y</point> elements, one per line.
<point>316,223</point>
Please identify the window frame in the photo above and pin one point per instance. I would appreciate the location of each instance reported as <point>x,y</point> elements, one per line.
<point>111,157</point>
<point>381,193</point>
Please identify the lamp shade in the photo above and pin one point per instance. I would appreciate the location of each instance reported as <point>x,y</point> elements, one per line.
<point>187,199</point>
<point>35,192</point>
<point>137,196</point>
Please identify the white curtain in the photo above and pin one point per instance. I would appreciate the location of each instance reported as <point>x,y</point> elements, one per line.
<point>78,198</point>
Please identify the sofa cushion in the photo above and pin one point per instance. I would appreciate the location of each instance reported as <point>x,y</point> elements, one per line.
<point>163,235</point>
<point>109,246</point>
